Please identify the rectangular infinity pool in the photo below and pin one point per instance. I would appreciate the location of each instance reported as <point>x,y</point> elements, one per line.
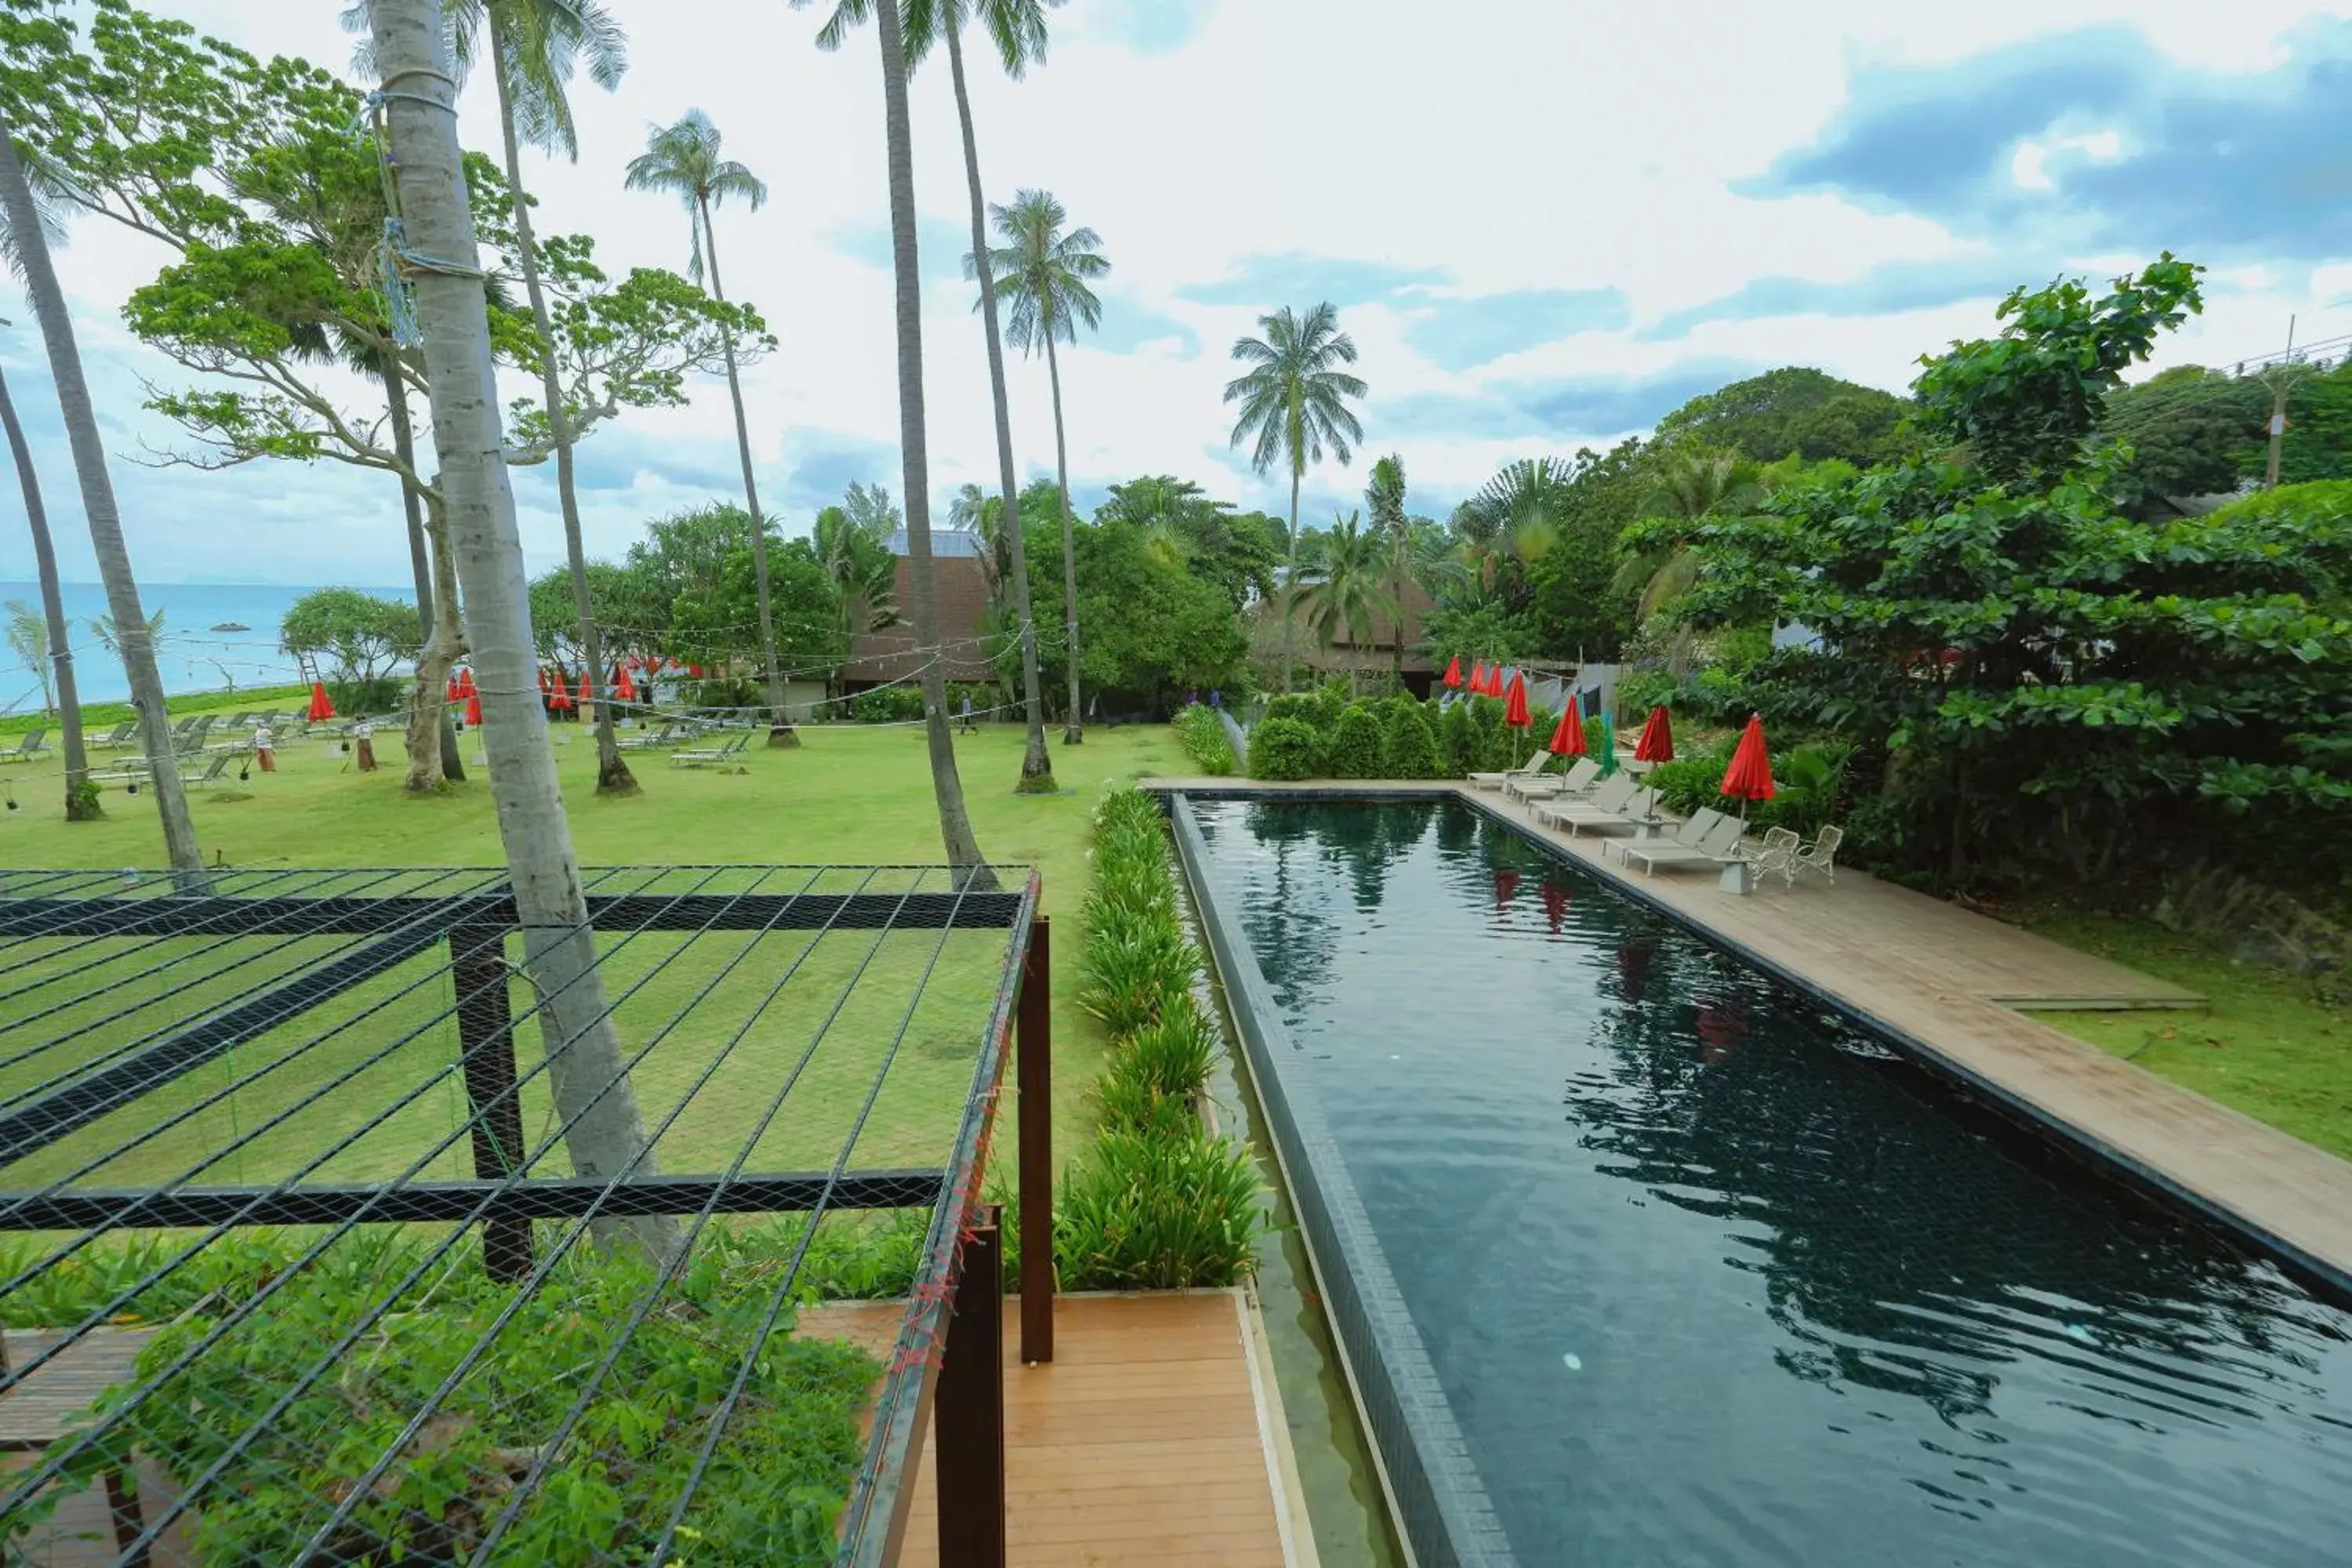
<point>1708,1275</point>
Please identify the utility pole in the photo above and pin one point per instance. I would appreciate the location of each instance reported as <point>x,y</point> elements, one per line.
<point>2279,379</point>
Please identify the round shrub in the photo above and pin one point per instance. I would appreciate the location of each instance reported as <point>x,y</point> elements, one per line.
<point>1410,750</point>
<point>1357,745</point>
<point>1284,750</point>
<point>1457,742</point>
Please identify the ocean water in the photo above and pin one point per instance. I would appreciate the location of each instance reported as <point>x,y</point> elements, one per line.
<point>1709,1276</point>
<point>194,657</point>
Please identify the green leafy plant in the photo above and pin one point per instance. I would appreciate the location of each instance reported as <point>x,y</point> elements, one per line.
<point>1285,749</point>
<point>1136,963</point>
<point>1357,744</point>
<point>1457,740</point>
<point>1173,1055</point>
<point>1409,750</point>
<point>1157,1211</point>
<point>1202,736</point>
<point>888,705</point>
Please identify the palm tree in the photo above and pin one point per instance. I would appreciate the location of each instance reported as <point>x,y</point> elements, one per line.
<point>1691,487</point>
<point>683,158</point>
<point>1384,495</point>
<point>1294,405</point>
<point>57,648</point>
<point>1349,593</point>
<point>1044,274</point>
<point>956,836</point>
<point>534,45</point>
<point>20,216</point>
<point>588,1077</point>
<point>28,634</point>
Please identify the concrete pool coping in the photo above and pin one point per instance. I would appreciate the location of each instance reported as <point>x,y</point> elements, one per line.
<point>1944,985</point>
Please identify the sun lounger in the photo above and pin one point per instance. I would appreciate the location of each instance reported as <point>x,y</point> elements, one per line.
<point>1495,781</point>
<point>126,733</point>
<point>1639,809</point>
<point>1718,846</point>
<point>1580,776</point>
<point>702,756</point>
<point>194,777</point>
<point>1691,830</point>
<point>1609,795</point>
<point>26,750</point>
<point>670,735</point>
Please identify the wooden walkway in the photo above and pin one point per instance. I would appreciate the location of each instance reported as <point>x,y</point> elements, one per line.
<point>1951,982</point>
<point>1146,1439</point>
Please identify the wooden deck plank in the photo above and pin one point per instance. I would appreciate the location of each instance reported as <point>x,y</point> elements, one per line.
<point>1951,980</point>
<point>1140,1443</point>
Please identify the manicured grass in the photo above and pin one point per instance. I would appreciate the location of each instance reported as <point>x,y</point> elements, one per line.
<point>2270,1045</point>
<point>848,794</point>
<point>96,717</point>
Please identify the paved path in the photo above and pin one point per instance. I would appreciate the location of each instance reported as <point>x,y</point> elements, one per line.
<point>1949,982</point>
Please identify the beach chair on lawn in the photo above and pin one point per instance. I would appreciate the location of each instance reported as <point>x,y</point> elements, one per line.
<point>126,733</point>
<point>1717,847</point>
<point>195,777</point>
<point>730,749</point>
<point>34,745</point>
<point>1533,766</point>
<point>1820,856</point>
<point>671,734</point>
<point>1580,776</point>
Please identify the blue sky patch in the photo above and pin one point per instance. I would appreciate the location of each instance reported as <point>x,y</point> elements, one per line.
<point>1897,286</point>
<point>1301,281</point>
<point>1457,333</point>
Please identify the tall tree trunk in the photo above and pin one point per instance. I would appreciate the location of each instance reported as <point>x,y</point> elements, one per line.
<point>80,806</point>
<point>1074,730</point>
<point>1290,588</point>
<point>775,681</point>
<point>612,775</point>
<point>955,826</point>
<point>1036,766</point>
<point>432,733</point>
<point>136,643</point>
<point>586,1073</point>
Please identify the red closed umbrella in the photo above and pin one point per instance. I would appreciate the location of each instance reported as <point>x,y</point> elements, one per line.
<point>1657,741</point>
<point>1453,672</point>
<point>474,708</point>
<point>559,696</point>
<point>693,671</point>
<point>625,688</point>
<point>320,708</point>
<point>1478,678</point>
<point>1514,705</point>
<point>587,691</point>
<point>1495,681</point>
<point>1567,741</point>
<point>452,693</point>
<point>464,682</point>
<point>1749,777</point>
<point>542,681</point>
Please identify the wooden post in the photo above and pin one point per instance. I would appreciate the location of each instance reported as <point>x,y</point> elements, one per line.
<point>477,966</point>
<point>968,1416</point>
<point>1035,1066</point>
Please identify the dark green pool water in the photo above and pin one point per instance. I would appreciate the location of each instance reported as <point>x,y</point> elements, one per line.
<point>1709,1276</point>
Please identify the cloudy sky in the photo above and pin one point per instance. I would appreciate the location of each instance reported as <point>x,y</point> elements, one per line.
<point>1544,222</point>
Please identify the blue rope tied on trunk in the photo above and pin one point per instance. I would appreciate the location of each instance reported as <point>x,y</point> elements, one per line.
<point>397,261</point>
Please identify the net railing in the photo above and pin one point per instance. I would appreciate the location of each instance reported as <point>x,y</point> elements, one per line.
<point>318,1243</point>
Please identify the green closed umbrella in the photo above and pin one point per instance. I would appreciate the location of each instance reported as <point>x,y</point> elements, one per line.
<point>1608,748</point>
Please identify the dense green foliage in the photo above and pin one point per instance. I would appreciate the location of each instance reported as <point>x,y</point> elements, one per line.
<point>1409,747</point>
<point>2037,684</point>
<point>360,639</point>
<point>1358,744</point>
<point>1156,629</point>
<point>1206,741</point>
<point>1160,1202</point>
<point>1794,410</point>
<point>1285,749</point>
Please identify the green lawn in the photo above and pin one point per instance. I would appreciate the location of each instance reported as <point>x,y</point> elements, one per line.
<point>848,794</point>
<point>2269,1044</point>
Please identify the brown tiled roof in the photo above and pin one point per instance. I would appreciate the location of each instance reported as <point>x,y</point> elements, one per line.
<point>890,654</point>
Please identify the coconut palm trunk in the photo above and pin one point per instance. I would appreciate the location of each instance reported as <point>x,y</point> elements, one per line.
<point>1036,766</point>
<point>136,644</point>
<point>432,733</point>
<point>612,775</point>
<point>774,682</point>
<point>587,1076</point>
<point>947,786</point>
<point>1290,589</point>
<point>80,806</point>
<point>1073,732</point>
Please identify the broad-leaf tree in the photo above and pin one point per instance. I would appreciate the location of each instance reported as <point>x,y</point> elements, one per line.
<point>586,1072</point>
<point>1294,405</point>
<point>962,847</point>
<point>685,160</point>
<point>1042,273</point>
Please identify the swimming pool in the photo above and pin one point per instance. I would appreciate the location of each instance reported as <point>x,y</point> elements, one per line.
<point>1694,1270</point>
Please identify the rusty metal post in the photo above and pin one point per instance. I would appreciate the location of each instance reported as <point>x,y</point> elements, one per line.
<point>1035,1066</point>
<point>477,966</point>
<point>969,1414</point>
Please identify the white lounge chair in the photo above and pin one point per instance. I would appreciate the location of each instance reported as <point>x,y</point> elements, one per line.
<point>31,747</point>
<point>125,733</point>
<point>1718,846</point>
<point>1820,856</point>
<point>1543,786</point>
<point>1609,795</point>
<point>1534,766</point>
<point>671,734</point>
<point>703,756</point>
<point>1694,828</point>
<point>1639,810</point>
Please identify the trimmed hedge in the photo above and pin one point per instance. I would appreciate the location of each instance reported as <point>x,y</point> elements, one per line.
<point>1285,749</point>
<point>1357,745</point>
<point>1410,747</point>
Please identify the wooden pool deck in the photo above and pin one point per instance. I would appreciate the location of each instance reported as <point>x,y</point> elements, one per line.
<point>1149,1438</point>
<point>1951,982</point>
